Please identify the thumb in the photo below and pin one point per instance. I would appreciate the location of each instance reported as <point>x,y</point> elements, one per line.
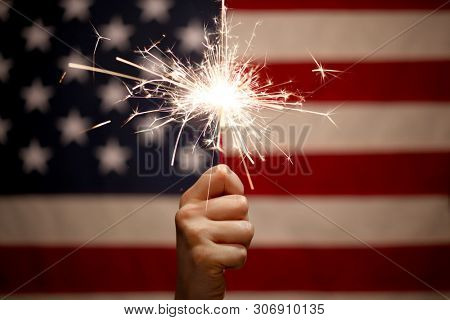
<point>217,181</point>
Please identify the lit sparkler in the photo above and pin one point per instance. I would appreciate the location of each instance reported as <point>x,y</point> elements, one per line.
<point>224,92</point>
<point>323,72</point>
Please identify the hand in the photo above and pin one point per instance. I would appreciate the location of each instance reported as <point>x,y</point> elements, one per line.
<point>212,235</point>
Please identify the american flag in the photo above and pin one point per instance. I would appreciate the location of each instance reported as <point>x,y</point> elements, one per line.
<point>362,213</point>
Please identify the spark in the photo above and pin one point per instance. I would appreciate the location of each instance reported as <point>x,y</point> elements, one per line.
<point>99,38</point>
<point>98,70</point>
<point>226,92</point>
<point>62,77</point>
<point>322,71</point>
<point>99,125</point>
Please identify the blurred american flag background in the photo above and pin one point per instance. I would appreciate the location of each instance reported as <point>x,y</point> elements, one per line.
<point>370,219</point>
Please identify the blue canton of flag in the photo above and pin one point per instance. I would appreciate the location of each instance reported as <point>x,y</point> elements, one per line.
<point>44,141</point>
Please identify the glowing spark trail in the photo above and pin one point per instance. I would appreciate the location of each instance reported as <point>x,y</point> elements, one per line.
<point>225,92</point>
<point>321,70</point>
<point>99,38</point>
<point>62,77</point>
<point>100,125</point>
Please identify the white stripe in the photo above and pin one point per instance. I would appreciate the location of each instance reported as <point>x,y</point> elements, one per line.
<point>344,36</point>
<point>362,127</point>
<point>72,220</point>
<point>243,295</point>
<point>284,221</point>
<point>279,221</point>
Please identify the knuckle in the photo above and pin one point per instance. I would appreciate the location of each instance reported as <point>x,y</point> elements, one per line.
<point>241,203</point>
<point>241,256</point>
<point>184,198</point>
<point>250,231</point>
<point>222,172</point>
<point>223,167</point>
<point>185,214</point>
<point>180,219</point>
<point>188,211</point>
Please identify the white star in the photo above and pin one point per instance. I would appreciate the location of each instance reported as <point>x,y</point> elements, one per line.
<point>5,66</point>
<point>73,74</point>
<point>37,37</point>
<point>36,96</point>
<point>5,125</point>
<point>112,96</point>
<point>113,157</point>
<point>4,10</point>
<point>155,10</point>
<point>192,37</point>
<point>118,33</point>
<point>73,128</point>
<point>35,157</point>
<point>76,9</point>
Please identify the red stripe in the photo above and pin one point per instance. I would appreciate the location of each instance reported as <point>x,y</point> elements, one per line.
<point>146,269</point>
<point>387,81</point>
<point>343,269</point>
<point>355,174</point>
<point>334,4</point>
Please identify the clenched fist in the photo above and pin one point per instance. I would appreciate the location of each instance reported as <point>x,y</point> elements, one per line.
<point>212,235</point>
